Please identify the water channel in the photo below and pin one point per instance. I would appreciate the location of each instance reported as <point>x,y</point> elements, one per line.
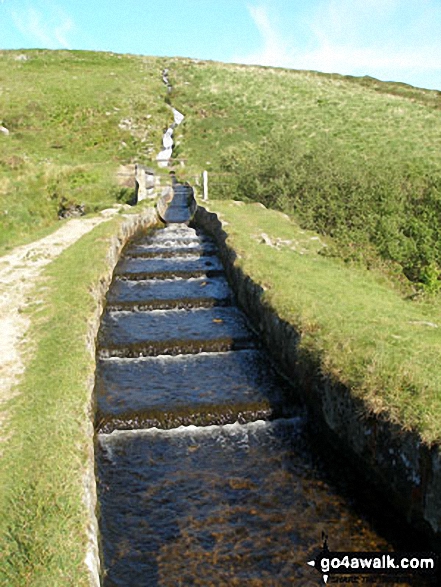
<point>206,475</point>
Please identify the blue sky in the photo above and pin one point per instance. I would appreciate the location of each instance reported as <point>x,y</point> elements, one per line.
<point>398,40</point>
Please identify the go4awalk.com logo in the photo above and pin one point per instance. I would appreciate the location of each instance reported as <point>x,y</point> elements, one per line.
<point>361,565</point>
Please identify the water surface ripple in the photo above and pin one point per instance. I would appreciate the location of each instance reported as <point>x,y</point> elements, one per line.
<point>236,496</point>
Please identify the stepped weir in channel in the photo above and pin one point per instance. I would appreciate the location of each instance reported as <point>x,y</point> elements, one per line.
<point>205,472</point>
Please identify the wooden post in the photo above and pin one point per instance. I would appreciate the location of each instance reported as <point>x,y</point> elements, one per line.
<point>205,181</point>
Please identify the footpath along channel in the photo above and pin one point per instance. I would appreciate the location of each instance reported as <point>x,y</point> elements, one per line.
<point>206,475</point>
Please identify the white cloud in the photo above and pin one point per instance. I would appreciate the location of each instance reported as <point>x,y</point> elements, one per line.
<point>48,27</point>
<point>275,50</point>
<point>359,37</point>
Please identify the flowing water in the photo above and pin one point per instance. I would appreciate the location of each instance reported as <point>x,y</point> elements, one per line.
<point>206,475</point>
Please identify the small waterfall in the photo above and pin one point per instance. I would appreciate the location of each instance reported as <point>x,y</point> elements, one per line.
<point>164,156</point>
<point>206,475</point>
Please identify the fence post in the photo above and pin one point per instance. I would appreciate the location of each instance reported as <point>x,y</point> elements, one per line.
<point>205,190</point>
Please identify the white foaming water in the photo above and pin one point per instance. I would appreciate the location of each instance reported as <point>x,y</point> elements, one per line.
<point>173,236</point>
<point>171,311</point>
<point>165,154</point>
<point>238,432</point>
<point>178,258</point>
<point>181,358</point>
<point>162,243</point>
<point>178,116</point>
<point>146,282</point>
<point>164,157</point>
<point>155,246</point>
<point>174,233</point>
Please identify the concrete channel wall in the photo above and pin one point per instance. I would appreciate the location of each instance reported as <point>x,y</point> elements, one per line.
<point>406,472</point>
<point>128,229</point>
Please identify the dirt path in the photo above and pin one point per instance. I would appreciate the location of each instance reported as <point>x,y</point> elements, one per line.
<point>19,271</point>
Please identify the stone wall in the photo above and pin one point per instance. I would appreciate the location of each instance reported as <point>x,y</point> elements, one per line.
<point>145,183</point>
<point>405,471</point>
<point>129,228</point>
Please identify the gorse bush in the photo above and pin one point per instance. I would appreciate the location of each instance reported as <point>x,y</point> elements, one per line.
<point>365,204</point>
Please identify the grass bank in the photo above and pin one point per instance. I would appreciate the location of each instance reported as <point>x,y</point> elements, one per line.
<point>384,348</point>
<point>73,118</point>
<point>44,517</point>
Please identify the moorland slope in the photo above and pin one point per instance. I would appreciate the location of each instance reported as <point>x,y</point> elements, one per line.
<point>353,158</point>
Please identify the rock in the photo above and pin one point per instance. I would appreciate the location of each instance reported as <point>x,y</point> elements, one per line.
<point>423,323</point>
<point>266,239</point>
<point>144,183</point>
<point>126,124</point>
<point>125,174</point>
<point>69,210</point>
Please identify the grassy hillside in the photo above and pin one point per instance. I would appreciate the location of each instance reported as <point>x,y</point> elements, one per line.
<point>354,158</point>
<point>74,117</point>
<point>229,105</point>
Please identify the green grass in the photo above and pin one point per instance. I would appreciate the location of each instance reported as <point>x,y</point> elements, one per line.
<point>353,158</point>
<point>65,111</point>
<point>43,518</point>
<point>360,329</point>
<point>229,105</point>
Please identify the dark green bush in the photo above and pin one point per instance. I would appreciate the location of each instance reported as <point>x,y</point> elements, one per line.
<point>364,203</point>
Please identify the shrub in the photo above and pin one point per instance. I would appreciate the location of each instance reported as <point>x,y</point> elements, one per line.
<point>365,204</point>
